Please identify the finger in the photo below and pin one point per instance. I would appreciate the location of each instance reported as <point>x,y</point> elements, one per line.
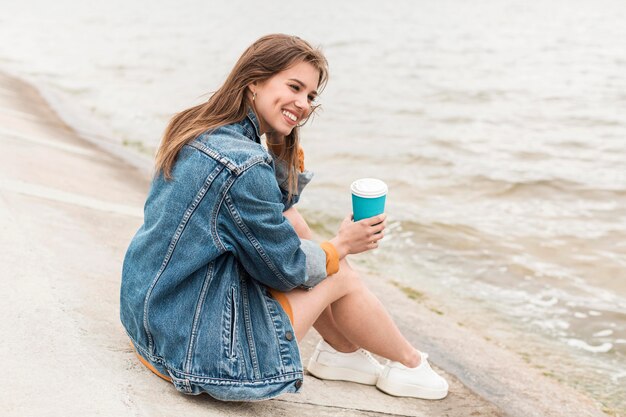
<point>375,237</point>
<point>377,228</point>
<point>376,219</point>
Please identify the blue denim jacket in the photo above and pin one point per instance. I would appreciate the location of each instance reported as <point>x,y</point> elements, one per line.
<point>195,279</point>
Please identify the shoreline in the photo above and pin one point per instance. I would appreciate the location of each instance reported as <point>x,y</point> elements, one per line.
<point>86,126</point>
<point>484,378</point>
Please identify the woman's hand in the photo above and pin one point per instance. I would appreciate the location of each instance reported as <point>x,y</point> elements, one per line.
<point>361,236</point>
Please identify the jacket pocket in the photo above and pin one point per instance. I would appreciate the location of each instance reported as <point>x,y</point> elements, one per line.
<point>233,323</point>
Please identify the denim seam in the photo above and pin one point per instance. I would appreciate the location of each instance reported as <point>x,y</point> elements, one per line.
<point>248,326</point>
<point>215,236</point>
<point>233,324</point>
<point>225,332</point>
<point>255,243</point>
<point>259,159</point>
<point>250,133</point>
<point>226,381</point>
<point>182,382</point>
<point>230,165</point>
<point>179,231</point>
<point>152,358</point>
<point>180,375</point>
<point>196,319</point>
<point>222,196</point>
<point>256,131</point>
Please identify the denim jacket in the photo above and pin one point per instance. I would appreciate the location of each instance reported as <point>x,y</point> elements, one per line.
<point>194,294</point>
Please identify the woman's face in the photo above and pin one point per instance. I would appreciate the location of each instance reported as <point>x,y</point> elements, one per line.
<point>285,99</point>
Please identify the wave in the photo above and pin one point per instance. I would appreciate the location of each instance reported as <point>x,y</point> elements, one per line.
<point>531,187</point>
<point>404,159</point>
<point>467,96</point>
<point>582,121</point>
<point>537,188</point>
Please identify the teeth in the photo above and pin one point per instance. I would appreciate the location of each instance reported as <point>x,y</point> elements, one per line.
<point>290,115</point>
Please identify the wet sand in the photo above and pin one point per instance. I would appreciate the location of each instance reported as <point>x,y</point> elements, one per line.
<point>67,212</point>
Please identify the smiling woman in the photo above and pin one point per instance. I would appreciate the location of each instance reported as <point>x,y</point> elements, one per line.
<point>282,104</point>
<point>259,67</point>
<point>286,99</point>
<point>222,280</point>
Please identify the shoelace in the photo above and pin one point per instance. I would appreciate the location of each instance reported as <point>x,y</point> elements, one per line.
<point>369,357</point>
<point>361,351</point>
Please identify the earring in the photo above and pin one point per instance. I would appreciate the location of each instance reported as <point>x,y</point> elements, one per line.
<point>253,95</point>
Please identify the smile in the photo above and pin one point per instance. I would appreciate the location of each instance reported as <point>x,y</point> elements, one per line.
<point>290,115</point>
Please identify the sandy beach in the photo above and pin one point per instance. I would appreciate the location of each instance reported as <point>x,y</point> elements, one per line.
<point>67,212</point>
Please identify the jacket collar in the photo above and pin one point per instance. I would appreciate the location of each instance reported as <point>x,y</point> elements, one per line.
<point>251,119</point>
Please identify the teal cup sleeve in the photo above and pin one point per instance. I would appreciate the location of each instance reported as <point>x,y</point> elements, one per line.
<point>364,208</point>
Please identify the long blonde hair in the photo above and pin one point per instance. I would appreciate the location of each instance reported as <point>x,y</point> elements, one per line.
<point>267,56</point>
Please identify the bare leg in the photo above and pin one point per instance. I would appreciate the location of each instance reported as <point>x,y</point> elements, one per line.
<point>345,313</point>
<point>328,329</point>
<point>325,323</point>
<point>358,314</point>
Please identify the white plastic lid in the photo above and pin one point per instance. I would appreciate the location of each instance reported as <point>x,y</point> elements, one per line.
<point>369,188</point>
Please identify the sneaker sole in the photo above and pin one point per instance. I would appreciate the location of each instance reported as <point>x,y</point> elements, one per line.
<point>407,390</point>
<point>334,373</point>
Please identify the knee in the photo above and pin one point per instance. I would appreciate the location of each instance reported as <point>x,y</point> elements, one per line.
<point>350,278</point>
<point>298,223</point>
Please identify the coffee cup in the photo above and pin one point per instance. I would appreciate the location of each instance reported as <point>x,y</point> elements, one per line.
<point>368,198</point>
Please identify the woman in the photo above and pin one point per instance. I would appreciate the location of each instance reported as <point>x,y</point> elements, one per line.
<point>223,279</point>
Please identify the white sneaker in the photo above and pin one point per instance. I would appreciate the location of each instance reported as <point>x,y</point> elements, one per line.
<point>421,382</point>
<point>358,366</point>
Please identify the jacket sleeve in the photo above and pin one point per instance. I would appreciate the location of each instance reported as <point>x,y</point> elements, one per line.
<point>251,224</point>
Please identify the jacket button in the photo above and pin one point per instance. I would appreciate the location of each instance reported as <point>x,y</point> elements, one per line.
<point>298,384</point>
<point>289,336</point>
